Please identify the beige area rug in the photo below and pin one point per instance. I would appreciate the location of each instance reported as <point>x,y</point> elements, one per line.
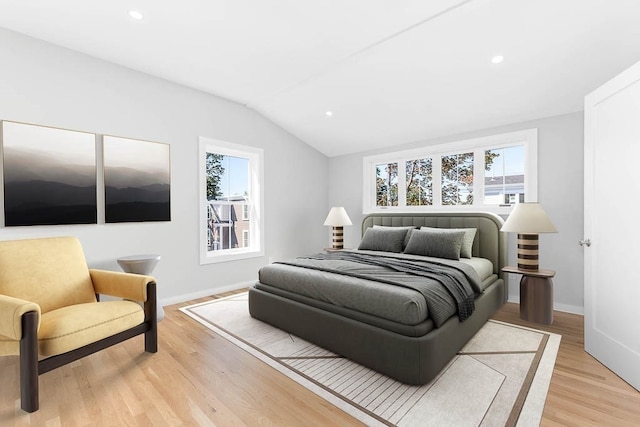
<point>500,377</point>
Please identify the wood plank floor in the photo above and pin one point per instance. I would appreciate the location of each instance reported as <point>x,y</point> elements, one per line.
<point>583,392</point>
<point>198,378</point>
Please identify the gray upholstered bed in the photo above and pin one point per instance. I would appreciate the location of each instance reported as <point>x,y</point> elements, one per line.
<point>354,316</point>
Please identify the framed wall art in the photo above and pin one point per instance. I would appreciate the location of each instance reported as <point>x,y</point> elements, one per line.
<point>49,175</point>
<point>137,180</point>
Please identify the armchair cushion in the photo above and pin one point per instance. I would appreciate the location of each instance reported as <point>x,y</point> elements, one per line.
<point>75,326</point>
<point>122,285</point>
<point>50,272</point>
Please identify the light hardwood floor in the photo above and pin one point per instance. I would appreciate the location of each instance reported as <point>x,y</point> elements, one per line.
<point>198,378</point>
<point>583,392</point>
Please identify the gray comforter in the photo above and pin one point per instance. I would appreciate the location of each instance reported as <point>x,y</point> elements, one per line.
<point>447,287</point>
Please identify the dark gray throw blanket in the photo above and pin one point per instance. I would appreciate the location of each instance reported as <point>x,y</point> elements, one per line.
<point>443,282</point>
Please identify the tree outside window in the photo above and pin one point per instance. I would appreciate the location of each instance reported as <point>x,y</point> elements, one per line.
<point>457,179</point>
<point>387,184</point>
<point>419,182</point>
<point>214,170</point>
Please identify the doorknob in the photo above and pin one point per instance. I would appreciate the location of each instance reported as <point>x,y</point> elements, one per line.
<point>585,242</point>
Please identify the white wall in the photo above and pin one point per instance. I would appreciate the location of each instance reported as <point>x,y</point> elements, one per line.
<point>44,84</point>
<point>560,191</point>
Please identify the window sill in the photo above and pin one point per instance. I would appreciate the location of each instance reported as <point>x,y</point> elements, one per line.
<point>227,256</point>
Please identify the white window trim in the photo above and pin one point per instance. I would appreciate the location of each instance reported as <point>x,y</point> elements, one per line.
<point>528,137</point>
<point>256,189</point>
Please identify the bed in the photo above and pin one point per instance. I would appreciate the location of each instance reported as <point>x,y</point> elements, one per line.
<point>389,326</point>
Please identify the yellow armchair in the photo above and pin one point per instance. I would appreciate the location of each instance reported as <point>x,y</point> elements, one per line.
<point>50,313</point>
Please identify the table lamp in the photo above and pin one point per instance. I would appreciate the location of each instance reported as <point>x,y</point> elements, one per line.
<point>528,220</point>
<point>337,218</point>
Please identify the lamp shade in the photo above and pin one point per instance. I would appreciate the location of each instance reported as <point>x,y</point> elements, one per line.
<point>528,218</point>
<point>337,217</point>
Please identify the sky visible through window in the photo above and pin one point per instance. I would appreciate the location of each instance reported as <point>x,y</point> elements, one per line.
<point>235,179</point>
<point>510,162</point>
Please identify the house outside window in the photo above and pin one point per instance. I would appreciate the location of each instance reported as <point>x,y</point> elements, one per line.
<point>231,188</point>
<point>490,173</point>
<point>504,180</point>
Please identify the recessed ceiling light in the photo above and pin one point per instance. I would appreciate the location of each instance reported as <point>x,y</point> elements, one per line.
<point>329,113</point>
<point>135,14</point>
<point>497,59</point>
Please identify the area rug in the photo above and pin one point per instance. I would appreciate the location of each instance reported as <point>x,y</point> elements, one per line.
<point>500,378</point>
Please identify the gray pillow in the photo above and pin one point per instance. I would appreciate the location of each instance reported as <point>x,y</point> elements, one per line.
<point>435,243</point>
<point>409,229</point>
<point>466,250</point>
<point>387,239</point>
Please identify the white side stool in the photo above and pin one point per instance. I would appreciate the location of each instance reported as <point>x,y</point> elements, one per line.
<point>141,264</point>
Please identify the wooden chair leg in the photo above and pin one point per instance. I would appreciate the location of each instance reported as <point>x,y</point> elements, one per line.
<point>151,315</point>
<point>29,401</point>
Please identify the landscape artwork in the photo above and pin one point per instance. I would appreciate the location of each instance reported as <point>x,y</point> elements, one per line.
<point>49,175</point>
<point>137,180</point>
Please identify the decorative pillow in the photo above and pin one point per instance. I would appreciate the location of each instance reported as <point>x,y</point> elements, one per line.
<point>437,243</point>
<point>387,239</point>
<point>466,250</point>
<point>409,229</point>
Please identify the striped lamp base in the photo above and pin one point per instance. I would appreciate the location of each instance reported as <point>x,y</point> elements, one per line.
<point>337,238</point>
<point>528,252</point>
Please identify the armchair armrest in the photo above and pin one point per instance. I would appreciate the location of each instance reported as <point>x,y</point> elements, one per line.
<point>121,285</point>
<point>11,311</point>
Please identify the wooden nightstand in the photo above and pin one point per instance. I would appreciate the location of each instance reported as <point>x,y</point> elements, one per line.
<point>536,294</point>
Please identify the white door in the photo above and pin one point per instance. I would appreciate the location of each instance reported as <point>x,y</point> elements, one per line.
<point>612,224</point>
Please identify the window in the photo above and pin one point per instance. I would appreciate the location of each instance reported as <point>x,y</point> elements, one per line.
<point>504,180</point>
<point>456,171</point>
<point>231,201</point>
<point>490,173</point>
<point>419,182</point>
<point>387,184</point>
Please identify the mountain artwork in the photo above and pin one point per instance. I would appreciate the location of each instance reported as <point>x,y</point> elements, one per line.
<point>49,175</point>
<point>137,180</point>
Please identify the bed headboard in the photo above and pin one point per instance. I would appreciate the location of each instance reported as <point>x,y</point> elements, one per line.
<point>489,243</point>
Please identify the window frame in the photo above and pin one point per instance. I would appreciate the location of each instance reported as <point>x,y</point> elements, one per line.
<point>527,137</point>
<point>256,193</point>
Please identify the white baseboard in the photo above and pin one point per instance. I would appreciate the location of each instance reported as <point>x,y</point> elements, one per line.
<point>204,293</point>
<point>568,308</point>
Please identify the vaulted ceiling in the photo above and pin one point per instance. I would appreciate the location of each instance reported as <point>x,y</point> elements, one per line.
<point>389,71</point>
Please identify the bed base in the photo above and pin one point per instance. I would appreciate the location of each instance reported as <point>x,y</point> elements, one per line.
<point>411,360</point>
